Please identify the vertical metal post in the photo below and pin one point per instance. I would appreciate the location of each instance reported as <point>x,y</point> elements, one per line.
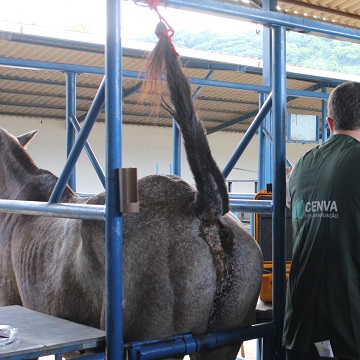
<point>176,168</point>
<point>70,111</point>
<point>113,222</point>
<point>323,118</point>
<point>267,78</point>
<point>279,183</point>
<point>261,149</point>
<point>268,149</point>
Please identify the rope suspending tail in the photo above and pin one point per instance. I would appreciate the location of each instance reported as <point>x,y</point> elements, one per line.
<point>163,28</point>
<point>212,199</point>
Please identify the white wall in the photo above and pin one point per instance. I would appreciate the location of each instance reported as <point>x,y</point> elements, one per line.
<point>147,148</point>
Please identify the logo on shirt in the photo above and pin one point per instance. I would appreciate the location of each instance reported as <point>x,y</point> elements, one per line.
<point>315,209</point>
<point>321,208</point>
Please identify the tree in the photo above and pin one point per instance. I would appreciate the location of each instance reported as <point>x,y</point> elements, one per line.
<point>301,49</point>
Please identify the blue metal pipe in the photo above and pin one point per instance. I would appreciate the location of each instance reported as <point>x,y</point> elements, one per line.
<point>176,149</point>
<point>90,119</point>
<point>70,111</point>
<point>248,136</point>
<point>305,93</point>
<point>181,345</point>
<point>251,87</point>
<point>242,196</point>
<point>36,64</point>
<point>324,124</point>
<point>228,85</point>
<point>89,151</point>
<point>114,220</point>
<point>162,350</point>
<point>279,184</point>
<point>45,65</point>
<point>71,211</point>
<point>264,17</point>
<point>258,206</point>
<point>261,148</point>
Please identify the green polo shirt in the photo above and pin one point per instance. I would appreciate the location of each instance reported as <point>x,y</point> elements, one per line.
<point>323,293</point>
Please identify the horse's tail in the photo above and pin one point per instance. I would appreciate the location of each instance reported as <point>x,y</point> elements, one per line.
<point>212,198</point>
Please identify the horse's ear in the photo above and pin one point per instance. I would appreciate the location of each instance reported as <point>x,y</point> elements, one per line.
<point>26,138</point>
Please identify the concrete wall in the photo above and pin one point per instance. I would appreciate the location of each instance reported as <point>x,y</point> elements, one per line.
<point>147,148</point>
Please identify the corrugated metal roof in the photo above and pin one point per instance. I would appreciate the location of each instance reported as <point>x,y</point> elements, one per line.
<point>41,93</point>
<point>343,12</point>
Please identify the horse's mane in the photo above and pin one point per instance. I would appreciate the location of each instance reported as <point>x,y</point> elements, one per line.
<point>212,198</point>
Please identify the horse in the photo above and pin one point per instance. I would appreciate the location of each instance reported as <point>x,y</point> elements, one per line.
<point>189,265</point>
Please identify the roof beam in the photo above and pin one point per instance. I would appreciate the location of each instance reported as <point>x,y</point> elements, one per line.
<point>266,18</point>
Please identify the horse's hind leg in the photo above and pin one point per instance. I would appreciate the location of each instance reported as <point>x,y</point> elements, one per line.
<point>228,353</point>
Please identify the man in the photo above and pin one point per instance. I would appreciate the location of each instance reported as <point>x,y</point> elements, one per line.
<point>322,316</point>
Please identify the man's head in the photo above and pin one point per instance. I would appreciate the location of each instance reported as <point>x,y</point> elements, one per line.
<point>343,106</point>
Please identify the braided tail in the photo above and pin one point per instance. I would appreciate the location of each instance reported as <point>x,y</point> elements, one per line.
<point>212,198</point>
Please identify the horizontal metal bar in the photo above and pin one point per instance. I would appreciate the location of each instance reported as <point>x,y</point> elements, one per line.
<point>44,65</point>
<point>90,119</point>
<point>266,18</point>
<point>73,211</point>
<point>230,85</point>
<point>256,206</point>
<point>304,93</point>
<point>58,43</point>
<point>181,345</point>
<point>235,336</point>
<point>242,196</point>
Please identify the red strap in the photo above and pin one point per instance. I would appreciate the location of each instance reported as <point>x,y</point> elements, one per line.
<point>169,36</point>
<point>169,33</point>
<point>153,4</point>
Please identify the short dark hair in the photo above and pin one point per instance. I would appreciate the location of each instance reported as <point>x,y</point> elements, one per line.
<point>343,106</point>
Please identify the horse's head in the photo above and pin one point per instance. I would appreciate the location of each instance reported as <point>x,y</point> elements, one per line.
<point>15,162</point>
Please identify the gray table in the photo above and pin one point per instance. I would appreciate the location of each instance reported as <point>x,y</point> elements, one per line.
<point>42,334</point>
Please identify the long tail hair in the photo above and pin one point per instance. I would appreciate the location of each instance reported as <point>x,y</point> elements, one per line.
<point>212,198</point>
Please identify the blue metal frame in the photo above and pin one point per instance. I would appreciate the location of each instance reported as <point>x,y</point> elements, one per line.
<point>90,119</point>
<point>75,123</point>
<point>75,211</point>
<point>248,136</point>
<point>261,149</point>
<point>114,220</point>
<point>176,149</point>
<point>70,112</point>
<point>113,217</point>
<point>182,344</point>
<point>279,184</point>
<point>266,17</point>
<point>324,124</point>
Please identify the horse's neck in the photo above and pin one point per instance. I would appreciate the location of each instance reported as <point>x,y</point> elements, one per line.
<point>16,172</point>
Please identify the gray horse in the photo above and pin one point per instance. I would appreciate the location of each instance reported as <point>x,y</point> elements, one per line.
<point>188,264</point>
